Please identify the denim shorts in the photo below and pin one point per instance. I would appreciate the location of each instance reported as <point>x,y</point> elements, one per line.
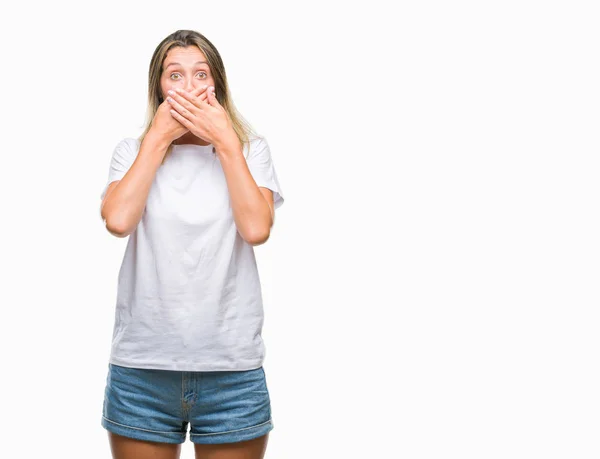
<point>158,405</point>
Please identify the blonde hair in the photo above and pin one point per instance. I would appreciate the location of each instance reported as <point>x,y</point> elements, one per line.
<point>185,38</point>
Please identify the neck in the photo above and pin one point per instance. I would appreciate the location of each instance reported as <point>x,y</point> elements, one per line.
<point>190,138</point>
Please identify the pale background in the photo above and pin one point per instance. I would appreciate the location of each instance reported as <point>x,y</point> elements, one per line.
<point>431,282</point>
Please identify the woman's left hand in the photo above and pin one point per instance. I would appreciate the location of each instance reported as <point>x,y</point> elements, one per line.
<point>206,119</point>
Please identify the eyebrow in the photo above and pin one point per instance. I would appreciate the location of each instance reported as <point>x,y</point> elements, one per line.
<point>177,63</point>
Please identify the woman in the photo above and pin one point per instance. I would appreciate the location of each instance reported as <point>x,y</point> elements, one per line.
<point>194,194</point>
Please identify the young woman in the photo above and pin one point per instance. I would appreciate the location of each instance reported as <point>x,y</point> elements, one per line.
<point>194,194</point>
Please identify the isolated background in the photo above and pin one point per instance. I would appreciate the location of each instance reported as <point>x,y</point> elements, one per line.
<point>431,283</point>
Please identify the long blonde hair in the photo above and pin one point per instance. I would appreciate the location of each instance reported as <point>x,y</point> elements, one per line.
<point>185,38</point>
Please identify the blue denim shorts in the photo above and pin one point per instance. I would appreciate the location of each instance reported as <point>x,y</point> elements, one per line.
<point>158,405</point>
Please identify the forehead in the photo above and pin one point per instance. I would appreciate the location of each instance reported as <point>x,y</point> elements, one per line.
<point>189,55</point>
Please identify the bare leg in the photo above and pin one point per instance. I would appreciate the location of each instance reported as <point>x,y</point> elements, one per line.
<point>130,448</point>
<point>249,449</point>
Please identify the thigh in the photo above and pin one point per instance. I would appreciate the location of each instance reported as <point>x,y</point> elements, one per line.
<point>231,407</point>
<point>249,449</point>
<point>131,448</point>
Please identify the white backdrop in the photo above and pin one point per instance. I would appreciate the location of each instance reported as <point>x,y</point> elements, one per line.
<point>431,282</point>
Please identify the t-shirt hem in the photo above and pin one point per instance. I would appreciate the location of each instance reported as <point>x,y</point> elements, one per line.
<point>187,366</point>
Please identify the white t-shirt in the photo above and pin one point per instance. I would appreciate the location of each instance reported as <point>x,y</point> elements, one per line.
<point>189,295</point>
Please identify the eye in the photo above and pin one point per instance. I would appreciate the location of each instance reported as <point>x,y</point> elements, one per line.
<point>172,74</point>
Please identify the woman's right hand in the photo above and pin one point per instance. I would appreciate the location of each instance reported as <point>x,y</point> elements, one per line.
<point>167,127</point>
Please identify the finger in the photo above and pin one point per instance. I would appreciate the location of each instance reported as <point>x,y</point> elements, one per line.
<point>204,99</point>
<point>183,120</point>
<point>212,98</point>
<point>197,91</point>
<point>201,96</point>
<point>184,108</point>
<point>186,99</point>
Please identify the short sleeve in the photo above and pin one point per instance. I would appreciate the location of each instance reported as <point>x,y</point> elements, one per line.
<point>123,157</point>
<point>260,164</point>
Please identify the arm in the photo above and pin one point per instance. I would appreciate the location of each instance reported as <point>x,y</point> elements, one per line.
<point>125,200</point>
<point>252,206</point>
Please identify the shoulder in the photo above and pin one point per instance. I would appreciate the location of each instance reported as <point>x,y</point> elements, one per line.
<point>124,153</point>
<point>127,148</point>
<point>257,145</point>
<point>257,138</point>
<point>130,144</point>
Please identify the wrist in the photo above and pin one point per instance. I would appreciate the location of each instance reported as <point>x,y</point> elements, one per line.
<point>228,147</point>
<point>159,136</point>
<point>158,143</point>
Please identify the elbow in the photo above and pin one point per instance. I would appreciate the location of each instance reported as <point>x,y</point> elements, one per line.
<point>258,238</point>
<point>117,229</point>
<point>118,222</point>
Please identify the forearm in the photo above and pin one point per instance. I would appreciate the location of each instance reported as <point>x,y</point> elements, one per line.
<point>124,205</point>
<point>250,209</point>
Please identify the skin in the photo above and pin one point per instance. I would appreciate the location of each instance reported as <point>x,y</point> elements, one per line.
<point>194,116</point>
<point>252,206</point>
<point>188,76</point>
<point>129,448</point>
